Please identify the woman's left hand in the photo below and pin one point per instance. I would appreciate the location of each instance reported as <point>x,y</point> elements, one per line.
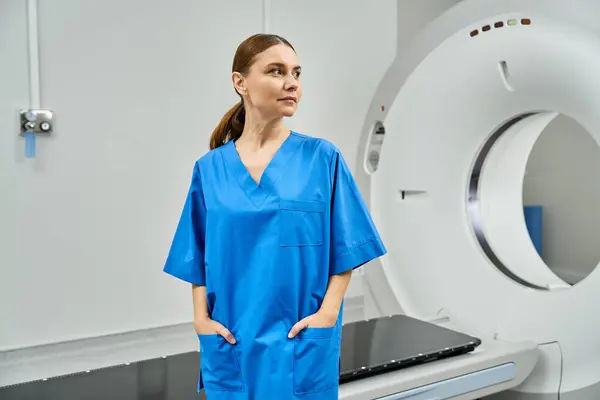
<point>317,320</point>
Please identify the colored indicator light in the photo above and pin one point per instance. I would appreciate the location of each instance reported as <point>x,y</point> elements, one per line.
<point>474,33</point>
<point>486,28</point>
<point>499,24</point>
<point>526,21</point>
<point>512,22</point>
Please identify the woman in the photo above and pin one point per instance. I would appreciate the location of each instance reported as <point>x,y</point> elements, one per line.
<point>271,229</point>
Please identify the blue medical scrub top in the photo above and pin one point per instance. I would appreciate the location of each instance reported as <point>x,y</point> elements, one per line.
<point>265,253</point>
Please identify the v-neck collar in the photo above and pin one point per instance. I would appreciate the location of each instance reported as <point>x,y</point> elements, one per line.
<point>259,192</point>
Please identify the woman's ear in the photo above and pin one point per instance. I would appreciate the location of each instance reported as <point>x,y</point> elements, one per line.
<point>239,83</point>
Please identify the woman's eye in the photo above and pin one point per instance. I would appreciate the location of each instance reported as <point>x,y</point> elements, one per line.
<point>278,71</point>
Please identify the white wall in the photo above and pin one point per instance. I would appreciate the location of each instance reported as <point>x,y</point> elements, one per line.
<point>137,88</point>
<point>562,176</point>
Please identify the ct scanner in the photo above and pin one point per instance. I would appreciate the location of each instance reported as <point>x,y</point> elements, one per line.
<point>441,164</point>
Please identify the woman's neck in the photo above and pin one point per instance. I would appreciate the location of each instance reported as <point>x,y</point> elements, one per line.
<point>257,134</point>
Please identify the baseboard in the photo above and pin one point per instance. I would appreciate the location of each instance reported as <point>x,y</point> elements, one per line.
<point>49,361</point>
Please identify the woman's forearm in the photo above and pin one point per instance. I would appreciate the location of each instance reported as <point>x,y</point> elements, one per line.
<point>203,322</point>
<point>329,311</point>
<point>336,290</point>
<point>200,304</point>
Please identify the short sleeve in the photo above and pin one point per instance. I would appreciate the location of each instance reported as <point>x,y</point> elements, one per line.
<point>186,255</point>
<point>354,237</point>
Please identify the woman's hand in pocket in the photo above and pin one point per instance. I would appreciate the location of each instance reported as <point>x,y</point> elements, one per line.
<point>316,320</point>
<point>207,326</point>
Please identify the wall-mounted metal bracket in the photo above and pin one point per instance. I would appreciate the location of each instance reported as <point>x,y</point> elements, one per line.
<point>36,121</point>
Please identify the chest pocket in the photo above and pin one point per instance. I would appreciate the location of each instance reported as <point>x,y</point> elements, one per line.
<point>301,222</point>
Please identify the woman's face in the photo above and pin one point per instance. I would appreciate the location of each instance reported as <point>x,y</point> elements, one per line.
<point>272,86</point>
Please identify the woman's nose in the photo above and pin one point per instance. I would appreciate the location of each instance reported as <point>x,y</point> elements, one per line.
<point>290,82</point>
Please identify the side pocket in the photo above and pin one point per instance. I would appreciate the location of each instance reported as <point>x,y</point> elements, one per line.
<point>220,365</point>
<point>301,222</point>
<point>316,360</point>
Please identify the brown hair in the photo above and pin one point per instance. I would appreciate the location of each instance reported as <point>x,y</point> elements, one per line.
<point>232,123</point>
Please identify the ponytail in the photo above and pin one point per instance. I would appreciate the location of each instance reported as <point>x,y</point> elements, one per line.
<point>230,127</point>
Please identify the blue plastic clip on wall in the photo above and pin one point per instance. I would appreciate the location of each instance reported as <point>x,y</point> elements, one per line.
<point>29,144</point>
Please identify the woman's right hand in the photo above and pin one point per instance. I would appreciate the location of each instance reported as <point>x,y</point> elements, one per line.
<point>207,326</point>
